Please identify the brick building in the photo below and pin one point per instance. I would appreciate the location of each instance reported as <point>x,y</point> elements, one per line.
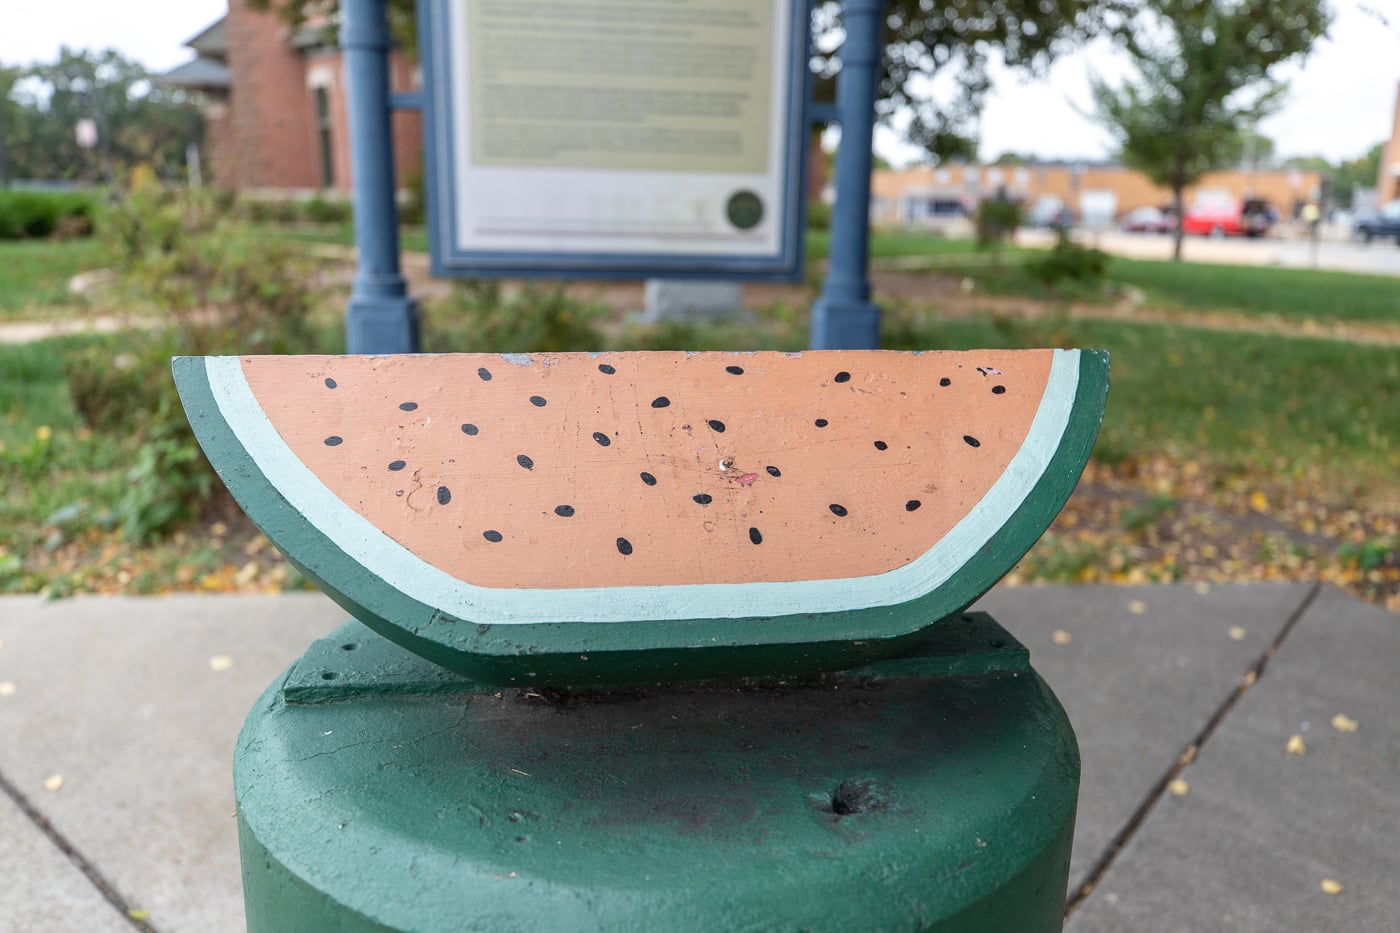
<point>275,105</point>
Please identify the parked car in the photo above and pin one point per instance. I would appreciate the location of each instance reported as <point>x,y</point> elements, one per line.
<point>1385,223</point>
<point>1049,211</point>
<point>1228,217</point>
<point>1147,220</point>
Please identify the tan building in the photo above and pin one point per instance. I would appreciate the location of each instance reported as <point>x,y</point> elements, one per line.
<point>1388,179</point>
<point>1101,193</point>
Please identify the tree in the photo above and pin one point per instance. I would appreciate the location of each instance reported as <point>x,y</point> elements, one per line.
<point>1357,173</point>
<point>8,111</point>
<point>1203,79</point>
<point>137,121</point>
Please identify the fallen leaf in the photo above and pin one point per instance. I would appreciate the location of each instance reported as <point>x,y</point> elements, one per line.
<point>53,782</point>
<point>1061,637</point>
<point>1179,787</point>
<point>1295,746</point>
<point>1331,887</point>
<point>220,662</point>
<point>7,688</point>
<point>1137,607</point>
<point>1202,587</point>
<point>1344,723</point>
<point>136,914</point>
<point>1258,501</point>
<point>1236,633</point>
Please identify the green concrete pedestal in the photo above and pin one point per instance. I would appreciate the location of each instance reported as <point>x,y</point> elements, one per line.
<point>933,791</point>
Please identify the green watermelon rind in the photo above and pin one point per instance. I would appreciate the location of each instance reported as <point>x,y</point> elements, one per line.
<point>647,648</point>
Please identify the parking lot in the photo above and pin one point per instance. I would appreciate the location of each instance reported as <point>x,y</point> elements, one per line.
<point>1334,249</point>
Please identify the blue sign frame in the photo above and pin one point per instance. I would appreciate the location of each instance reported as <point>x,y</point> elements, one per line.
<point>449,259</point>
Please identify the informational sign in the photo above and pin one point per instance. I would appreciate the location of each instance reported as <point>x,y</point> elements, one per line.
<point>610,138</point>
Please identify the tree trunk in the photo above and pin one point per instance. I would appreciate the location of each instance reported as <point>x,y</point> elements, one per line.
<point>1177,198</point>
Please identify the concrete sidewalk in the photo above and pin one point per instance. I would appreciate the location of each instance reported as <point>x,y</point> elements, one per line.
<point>135,703</point>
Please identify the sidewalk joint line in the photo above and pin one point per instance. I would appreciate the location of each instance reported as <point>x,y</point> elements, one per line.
<point>96,878</point>
<point>1188,754</point>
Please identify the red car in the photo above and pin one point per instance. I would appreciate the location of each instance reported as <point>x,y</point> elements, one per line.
<point>1228,217</point>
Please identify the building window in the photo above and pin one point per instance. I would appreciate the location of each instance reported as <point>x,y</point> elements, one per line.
<point>323,137</point>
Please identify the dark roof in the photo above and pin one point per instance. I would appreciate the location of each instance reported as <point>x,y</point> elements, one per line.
<point>211,42</point>
<point>201,74</point>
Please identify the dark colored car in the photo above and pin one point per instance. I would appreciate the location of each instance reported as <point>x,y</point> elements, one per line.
<point>1386,223</point>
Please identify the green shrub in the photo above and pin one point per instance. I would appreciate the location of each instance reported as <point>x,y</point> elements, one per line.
<point>215,287</point>
<point>38,214</point>
<point>1070,262</point>
<point>483,317</point>
<point>997,222</point>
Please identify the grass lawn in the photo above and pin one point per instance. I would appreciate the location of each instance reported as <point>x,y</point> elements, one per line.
<point>1241,402</point>
<point>34,274</point>
<point>1300,294</point>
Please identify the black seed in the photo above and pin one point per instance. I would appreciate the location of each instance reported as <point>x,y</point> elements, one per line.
<point>843,376</point>
<point>408,406</point>
<point>971,441</point>
<point>537,401</point>
<point>606,369</point>
<point>998,390</point>
<point>444,495</point>
<point>881,445</point>
<point>911,505</point>
<point>334,441</point>
<point>525,461</point>
<point>717,425</point>
<point>564,511</point>
<point>774,471</point>
<point>839,510</point>
<point>601,438</point>
<point>703,498</point>
<point>649,479</point>
<point>734,370</point>
<point>821,422</point>
<point>470,430</point>
<point>397,465</point>
<point>624,546</point>
<point>493,536</point>
<point>945,381</point>
<point>661,401</point>
<point>330,383</point>
<point>484,373</point>
<point>754,536</point>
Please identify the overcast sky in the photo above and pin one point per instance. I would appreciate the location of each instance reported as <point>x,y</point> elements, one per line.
<point>1341,101</point>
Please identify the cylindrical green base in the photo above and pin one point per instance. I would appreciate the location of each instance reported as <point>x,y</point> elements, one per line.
<point>897,797</point>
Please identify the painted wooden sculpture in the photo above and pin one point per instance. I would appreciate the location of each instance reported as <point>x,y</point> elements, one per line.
<point>593,518</point>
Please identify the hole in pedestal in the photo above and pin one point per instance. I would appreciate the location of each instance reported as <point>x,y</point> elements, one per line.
<point>858,795</point>
<point>348,646</point>
<point>329,675</point>
<point>997,643</point>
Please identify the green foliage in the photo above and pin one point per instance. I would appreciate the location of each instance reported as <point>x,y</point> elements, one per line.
<point>484,317</point>
<point>313,210</point>
<point>818,214</point>
<point>1068,261</point>
<point>216,287</point>
<point>138,122</point>
<point>997,222</point>
<point>39,214</point>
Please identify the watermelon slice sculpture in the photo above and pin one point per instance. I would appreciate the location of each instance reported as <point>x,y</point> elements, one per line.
<point>591,518</point>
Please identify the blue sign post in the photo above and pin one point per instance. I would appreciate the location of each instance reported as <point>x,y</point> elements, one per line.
<point>844,316</point>
<point>381,317</point>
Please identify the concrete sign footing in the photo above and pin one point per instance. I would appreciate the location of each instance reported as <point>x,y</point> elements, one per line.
<point>935,790</point>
